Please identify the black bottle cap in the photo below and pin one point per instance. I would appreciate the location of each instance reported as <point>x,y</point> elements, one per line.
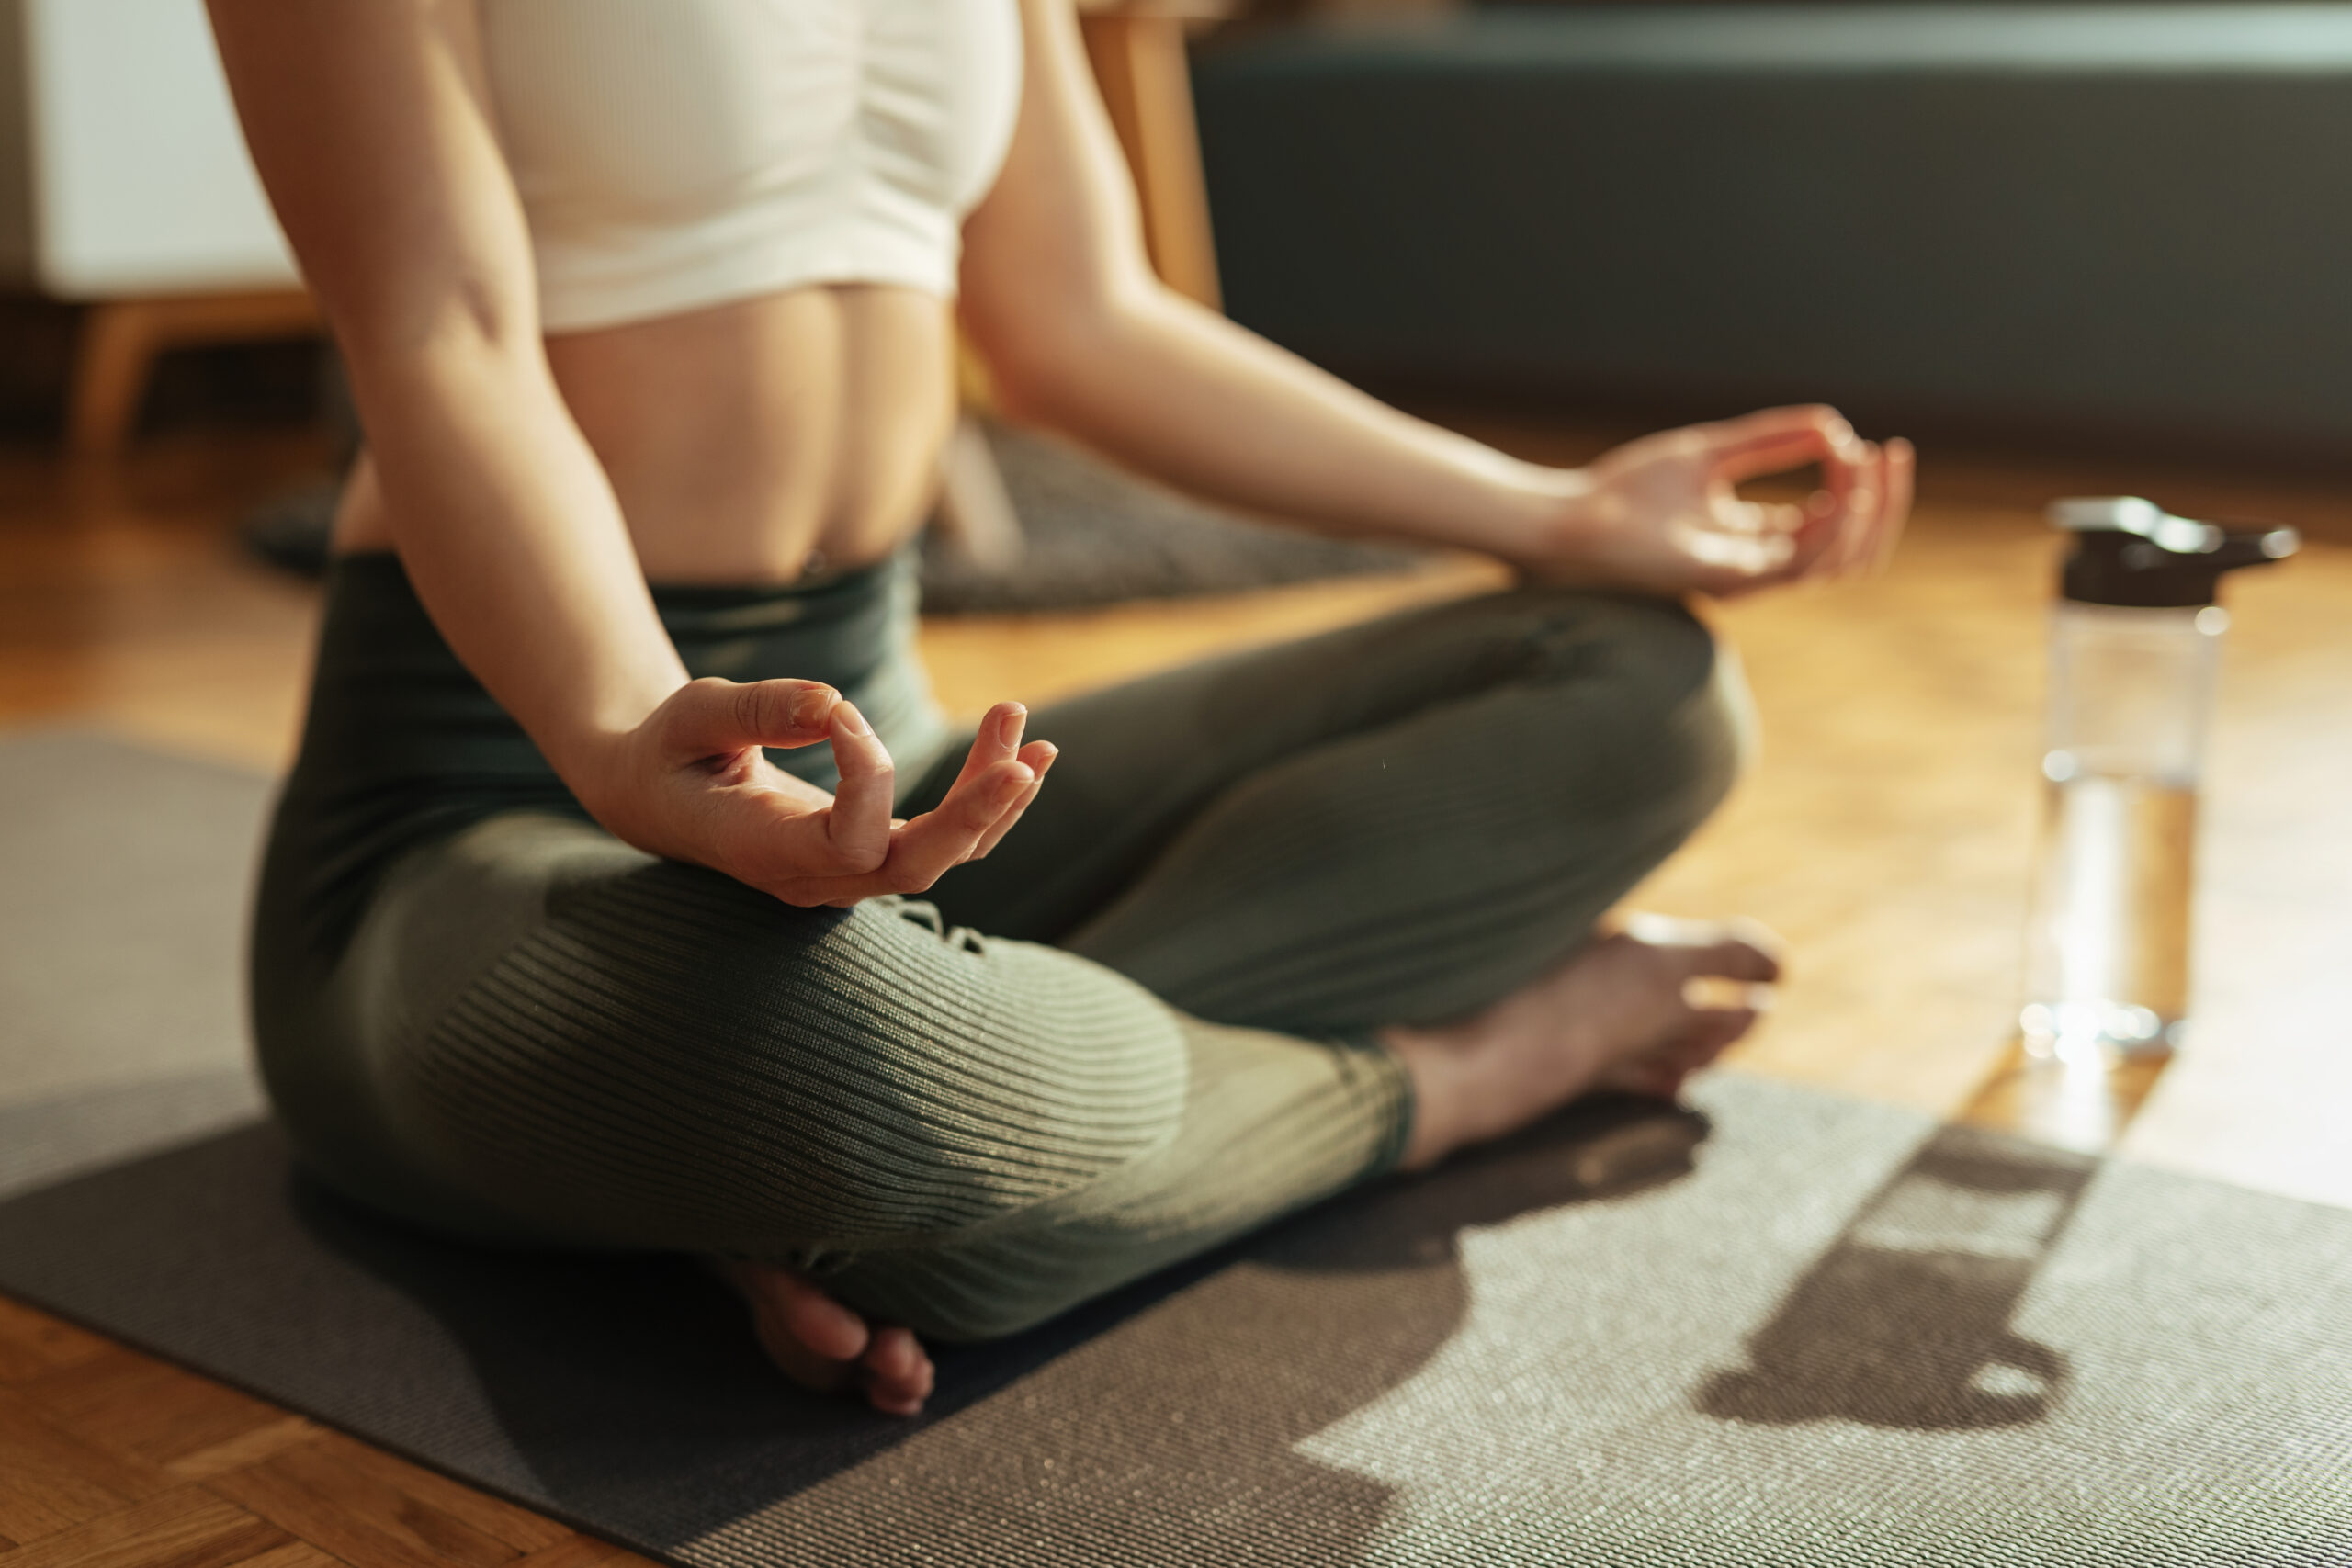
<point>2130,551</point>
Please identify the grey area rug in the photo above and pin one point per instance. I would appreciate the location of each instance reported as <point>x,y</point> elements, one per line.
<point>1795,1329</point>
<point>1093,535</point>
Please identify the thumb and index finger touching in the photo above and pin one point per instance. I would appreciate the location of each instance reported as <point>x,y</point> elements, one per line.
<point>855,834</point>
<point>711,718</point>
<point>715,718</point>
<point>1772,440</point>
<point>1866,486</point>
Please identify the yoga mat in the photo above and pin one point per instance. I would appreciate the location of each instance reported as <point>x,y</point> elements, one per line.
<point>123,887</point>
<point>1844,1335</point>
<point>1822,1332</point>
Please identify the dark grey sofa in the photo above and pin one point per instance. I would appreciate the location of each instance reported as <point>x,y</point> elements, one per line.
<point>2123,221</point>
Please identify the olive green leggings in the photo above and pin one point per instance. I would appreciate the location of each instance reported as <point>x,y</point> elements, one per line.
<point>1141,1027</point>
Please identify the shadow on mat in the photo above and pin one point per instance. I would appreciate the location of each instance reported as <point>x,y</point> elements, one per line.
<point>1904,1321</point>
<point>630,1391</point>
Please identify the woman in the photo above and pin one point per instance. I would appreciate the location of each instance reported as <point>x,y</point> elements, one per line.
<point>585,917</point>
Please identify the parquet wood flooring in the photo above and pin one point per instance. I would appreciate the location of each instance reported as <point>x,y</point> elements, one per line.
<point>113,1459</point>
<point>1887,833</point>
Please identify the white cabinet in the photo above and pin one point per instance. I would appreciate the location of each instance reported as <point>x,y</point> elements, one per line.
<point>129,177</point>
<point>124,183</point>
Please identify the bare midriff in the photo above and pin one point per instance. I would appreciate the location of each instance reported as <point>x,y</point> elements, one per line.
<point>757,441</point>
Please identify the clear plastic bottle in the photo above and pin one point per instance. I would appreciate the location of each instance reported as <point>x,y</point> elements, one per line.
<point>2135,644</point>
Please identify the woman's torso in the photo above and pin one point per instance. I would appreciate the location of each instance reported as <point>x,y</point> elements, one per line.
<point>745,216</point>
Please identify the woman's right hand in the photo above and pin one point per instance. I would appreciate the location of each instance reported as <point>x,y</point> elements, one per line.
<point>691,783</point>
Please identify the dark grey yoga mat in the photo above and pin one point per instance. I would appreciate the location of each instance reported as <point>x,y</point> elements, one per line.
<point>1845,1336</point>
<point>123,876</point>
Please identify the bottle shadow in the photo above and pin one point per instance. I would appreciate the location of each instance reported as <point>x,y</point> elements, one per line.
<point>1904,1321</point>
<point>627,1394</point>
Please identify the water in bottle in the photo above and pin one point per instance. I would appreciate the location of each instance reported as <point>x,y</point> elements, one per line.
<point>2135,645</point>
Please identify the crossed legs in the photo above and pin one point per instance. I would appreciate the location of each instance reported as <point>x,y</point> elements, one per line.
<point>1402,832</point>
<point>1282,921</point>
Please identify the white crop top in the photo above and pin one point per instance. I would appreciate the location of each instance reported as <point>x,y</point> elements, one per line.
<point>677,153</point>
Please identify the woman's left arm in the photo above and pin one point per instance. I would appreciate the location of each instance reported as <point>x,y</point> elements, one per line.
<point>1080,336</point>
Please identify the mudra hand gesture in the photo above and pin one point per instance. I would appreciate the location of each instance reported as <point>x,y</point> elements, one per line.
<point>1660,515</point>
<point>695,785</point>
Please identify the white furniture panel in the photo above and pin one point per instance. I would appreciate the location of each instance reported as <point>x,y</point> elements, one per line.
<point>136,177</point>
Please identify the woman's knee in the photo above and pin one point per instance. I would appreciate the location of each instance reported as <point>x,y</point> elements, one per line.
<point>1647,688</point>
<point>674,1060</point>
<point>1704,719</point>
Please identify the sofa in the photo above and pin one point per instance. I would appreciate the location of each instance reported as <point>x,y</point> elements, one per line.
<point>2127,224</point>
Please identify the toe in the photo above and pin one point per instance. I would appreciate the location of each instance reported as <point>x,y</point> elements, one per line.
<point>821,1345</point>
<point>1662,1071</point>
<point>1651,1078</point>
<point>822,1324</point>
<point>798,1322</point>
<point>894,1356</point>
<point>894,1403</point>
<point>1737,960</point>
<point>795,1361</point>
<point>898,1374</point>
<point>1711,1034</point>
<point>1714,993</point>
<point>1740,950</point>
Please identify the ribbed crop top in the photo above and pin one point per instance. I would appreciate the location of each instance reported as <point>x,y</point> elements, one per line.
<point>676,154</point>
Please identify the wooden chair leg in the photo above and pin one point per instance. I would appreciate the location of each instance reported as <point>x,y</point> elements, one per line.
<point>117,355</point>
<point>1147,85</point>
<point>122,338</point>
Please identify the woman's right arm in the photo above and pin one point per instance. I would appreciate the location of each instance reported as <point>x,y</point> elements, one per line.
<point>370,123</point>
<point>370,129</point>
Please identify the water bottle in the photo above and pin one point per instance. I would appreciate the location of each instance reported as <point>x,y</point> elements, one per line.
<point>2135,641</point>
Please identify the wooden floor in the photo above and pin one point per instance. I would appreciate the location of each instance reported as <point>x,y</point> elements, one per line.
<point>1887,834</point>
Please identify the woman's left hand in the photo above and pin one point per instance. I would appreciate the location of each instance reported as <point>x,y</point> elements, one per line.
<point>1660,515</point>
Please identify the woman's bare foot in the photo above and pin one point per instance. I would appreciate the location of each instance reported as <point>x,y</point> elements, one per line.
<point>1638,1011</point>
<point>821,1344</point>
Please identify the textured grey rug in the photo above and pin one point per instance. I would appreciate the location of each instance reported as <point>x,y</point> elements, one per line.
<point>1825,1333</point>
<point>1095,535</point>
